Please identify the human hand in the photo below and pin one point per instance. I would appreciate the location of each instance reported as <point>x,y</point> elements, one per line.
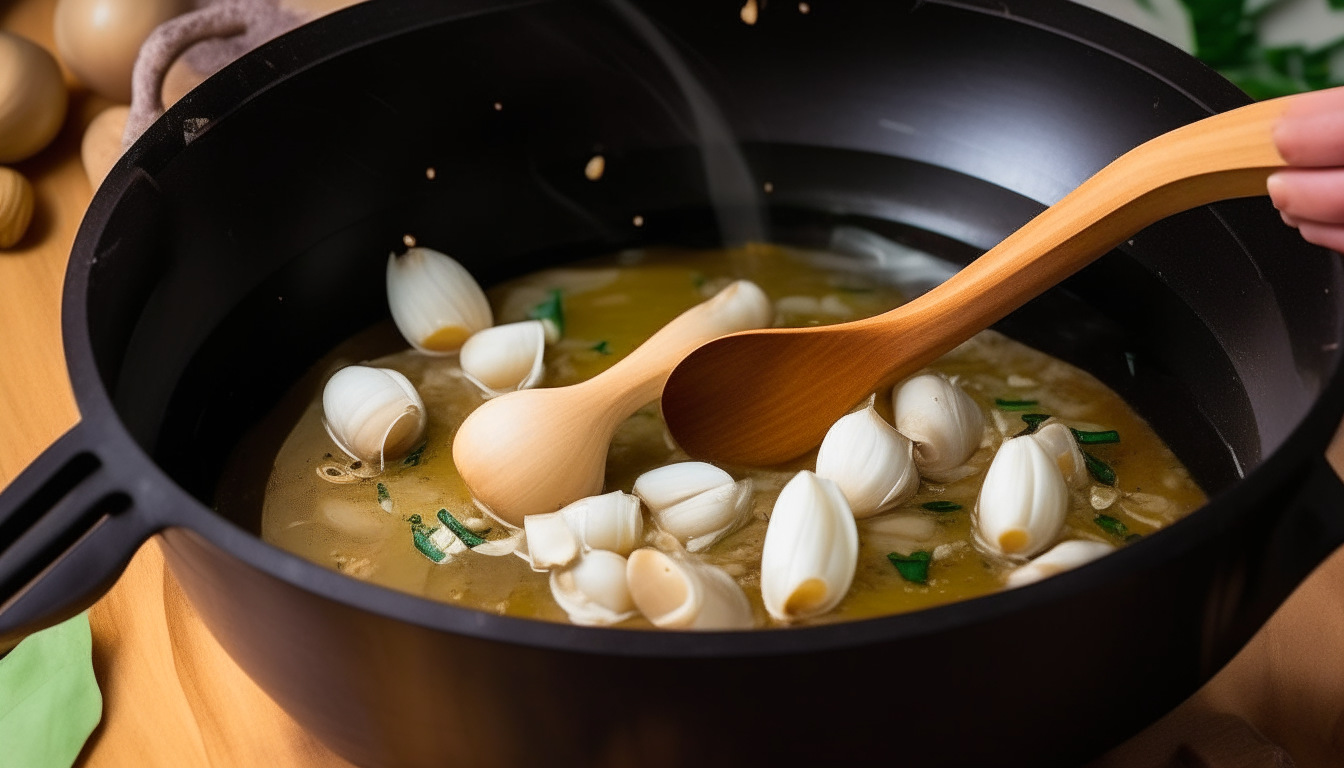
<point>1310,194</point>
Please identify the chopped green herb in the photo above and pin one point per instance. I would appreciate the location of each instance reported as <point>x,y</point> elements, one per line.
<point>1015,405</point>
<point>420,534</point>
<point>1034,421</point>
<point>913,567</point>
<point>698,280</point>
<point>941,506</point>
<point>1111,525</point>
<point>413,460</point>
<point>601,348</point>
<point>551,310</point>
<point>1133,537</point>
<point>384,498</point>
<point>1096,438</point>
<point>1099,469</point>
<point>461,531</point>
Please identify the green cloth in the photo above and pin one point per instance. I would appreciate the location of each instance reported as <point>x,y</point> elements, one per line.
<point>49,698</point>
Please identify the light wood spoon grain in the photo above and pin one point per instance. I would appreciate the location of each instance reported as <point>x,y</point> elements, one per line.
<point>763,397</point>
<point>536,450</point>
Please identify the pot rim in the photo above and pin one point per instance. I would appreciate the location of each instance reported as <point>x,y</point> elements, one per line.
<point>366,24</point>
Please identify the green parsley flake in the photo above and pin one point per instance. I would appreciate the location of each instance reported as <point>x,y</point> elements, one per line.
<point>601,348</point>
<point>413,460</point>
<point>941,506</point>
<point>420,534</point>
<point>1099,469</point>
<point>913,567</point>
<point>461,531</point>
<point>1015,405</point>
<point>551,310</point>
<point>1096,438</point>
<point>1111,525</point>
<point>383,495</point>
<point>1034,421</point>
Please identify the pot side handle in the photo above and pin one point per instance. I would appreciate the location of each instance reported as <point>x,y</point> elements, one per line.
<point>68,528</point>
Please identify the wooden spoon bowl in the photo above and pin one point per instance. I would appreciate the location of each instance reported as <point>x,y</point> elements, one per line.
<point>763,397</point>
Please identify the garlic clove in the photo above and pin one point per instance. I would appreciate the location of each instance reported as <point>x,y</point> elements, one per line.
<point>917,527</point>
<point>1064,556</point>
<point>1058,441</point>
<point>680,593</point>
<point>705,518</point>
<point>811,549</point>
<point>943,421</point>
<point>873,464</point>
<point>665,486</point>
<point>436,304</point>
<point>593,590</point>
<point>551,543</point>
<point>373,414</point>
<point>505,358</point>
<point>742,306</point>
<point>612,521</point>
<point>1023,500</point>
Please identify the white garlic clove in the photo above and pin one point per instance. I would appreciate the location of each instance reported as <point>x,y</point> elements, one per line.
<point>373,414</point>
<point>811,549</point>
<point>680,593</point>
<point>551,543</point>
<point>593,590</point>
<point>1059,443</point>
<point>1023,501</point>
<point>742,306</point>
<point>1063,557</point>
<point>943,421</point>
<point>612,521</point>
<point>505,358</point>
<point>665,486</point>
<point>447,541</point>
<point>873,464</point>
<point>436,304</point>
<point>705,518</point>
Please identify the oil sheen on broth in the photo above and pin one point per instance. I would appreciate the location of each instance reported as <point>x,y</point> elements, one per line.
<point>316,507</point>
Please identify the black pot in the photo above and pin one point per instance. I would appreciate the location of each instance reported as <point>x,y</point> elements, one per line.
<point>245,235</point>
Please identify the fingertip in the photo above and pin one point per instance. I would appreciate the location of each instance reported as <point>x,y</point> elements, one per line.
<point>1289,220</point>
<point>1277,187</point>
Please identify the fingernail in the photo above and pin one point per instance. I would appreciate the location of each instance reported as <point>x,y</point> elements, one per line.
<point>1277,186</point>
<point>1289,220</point>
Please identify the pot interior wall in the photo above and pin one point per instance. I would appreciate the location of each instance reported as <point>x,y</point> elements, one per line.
<point>251,236</point>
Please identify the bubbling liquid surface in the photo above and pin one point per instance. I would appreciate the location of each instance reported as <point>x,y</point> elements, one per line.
<point>314,506</point>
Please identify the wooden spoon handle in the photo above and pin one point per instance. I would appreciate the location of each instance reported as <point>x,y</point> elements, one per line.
<point>639,378</point>
<point>1221,157</point>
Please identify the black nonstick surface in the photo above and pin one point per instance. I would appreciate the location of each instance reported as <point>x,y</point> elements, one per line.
<point>246,234</point>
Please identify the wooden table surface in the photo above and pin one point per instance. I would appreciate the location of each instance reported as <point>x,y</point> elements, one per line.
<point>173,698</point>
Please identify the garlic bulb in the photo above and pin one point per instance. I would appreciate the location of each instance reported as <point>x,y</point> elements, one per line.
<point>373,414</point>
<point>873,464</point>
<point>1059,443</point>
<point>1064,556</point>
<point>696,502</point>
<point>551,543</point>
<point>612,521</point>
<point>944,422</point>
<point>506,357</point>
<point>435,302</point>
<point>593,591</point>
<point>680,593</point>
<point>1023,500</point>
<point>811,549</point>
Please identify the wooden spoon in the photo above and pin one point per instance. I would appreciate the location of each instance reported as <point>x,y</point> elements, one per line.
<point>763,397</point>
<point>536,450</point>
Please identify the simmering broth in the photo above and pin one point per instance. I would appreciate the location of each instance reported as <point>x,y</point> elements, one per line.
<point>375,528</point>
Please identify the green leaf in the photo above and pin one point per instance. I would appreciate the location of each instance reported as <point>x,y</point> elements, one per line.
<point>1034,421</point>
<point>913,567</point>
<point>941,506</point>
<point>420,534</point>
<point>49,698</point>
<point>461,531</point>
<point>1096,438</point>
<point>1099,469</point>
<point>1015,405</point>
<point>1111,525</point>
<point>413,460</point>
<point>552,310</point>
<point>384,498</point>
<point>601,348</point>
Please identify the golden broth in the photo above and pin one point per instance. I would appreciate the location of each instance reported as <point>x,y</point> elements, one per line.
<point>610,308</point>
